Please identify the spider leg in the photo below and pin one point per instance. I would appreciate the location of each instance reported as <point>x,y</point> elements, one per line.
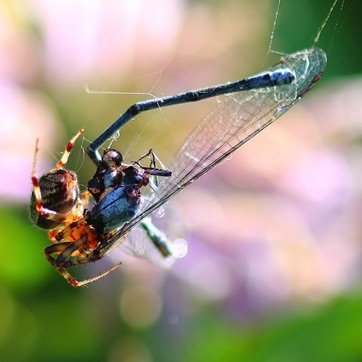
<point>34,175</point>
<point>43,215</point>
<point>63,161</point>
<point>66,249</point>
<point>55,216</point>
<point>73,231</point>
<point>75,283</point>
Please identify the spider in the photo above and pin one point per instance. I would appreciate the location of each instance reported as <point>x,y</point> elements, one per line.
<point>82,234</point>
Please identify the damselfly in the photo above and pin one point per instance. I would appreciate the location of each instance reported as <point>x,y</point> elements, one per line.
<point>249,106</point>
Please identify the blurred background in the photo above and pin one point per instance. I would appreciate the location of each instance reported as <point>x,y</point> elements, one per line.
<point>273,271</point>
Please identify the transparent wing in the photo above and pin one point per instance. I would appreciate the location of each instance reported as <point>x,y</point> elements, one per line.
<point>237,118</point>
<point>166,226</point>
